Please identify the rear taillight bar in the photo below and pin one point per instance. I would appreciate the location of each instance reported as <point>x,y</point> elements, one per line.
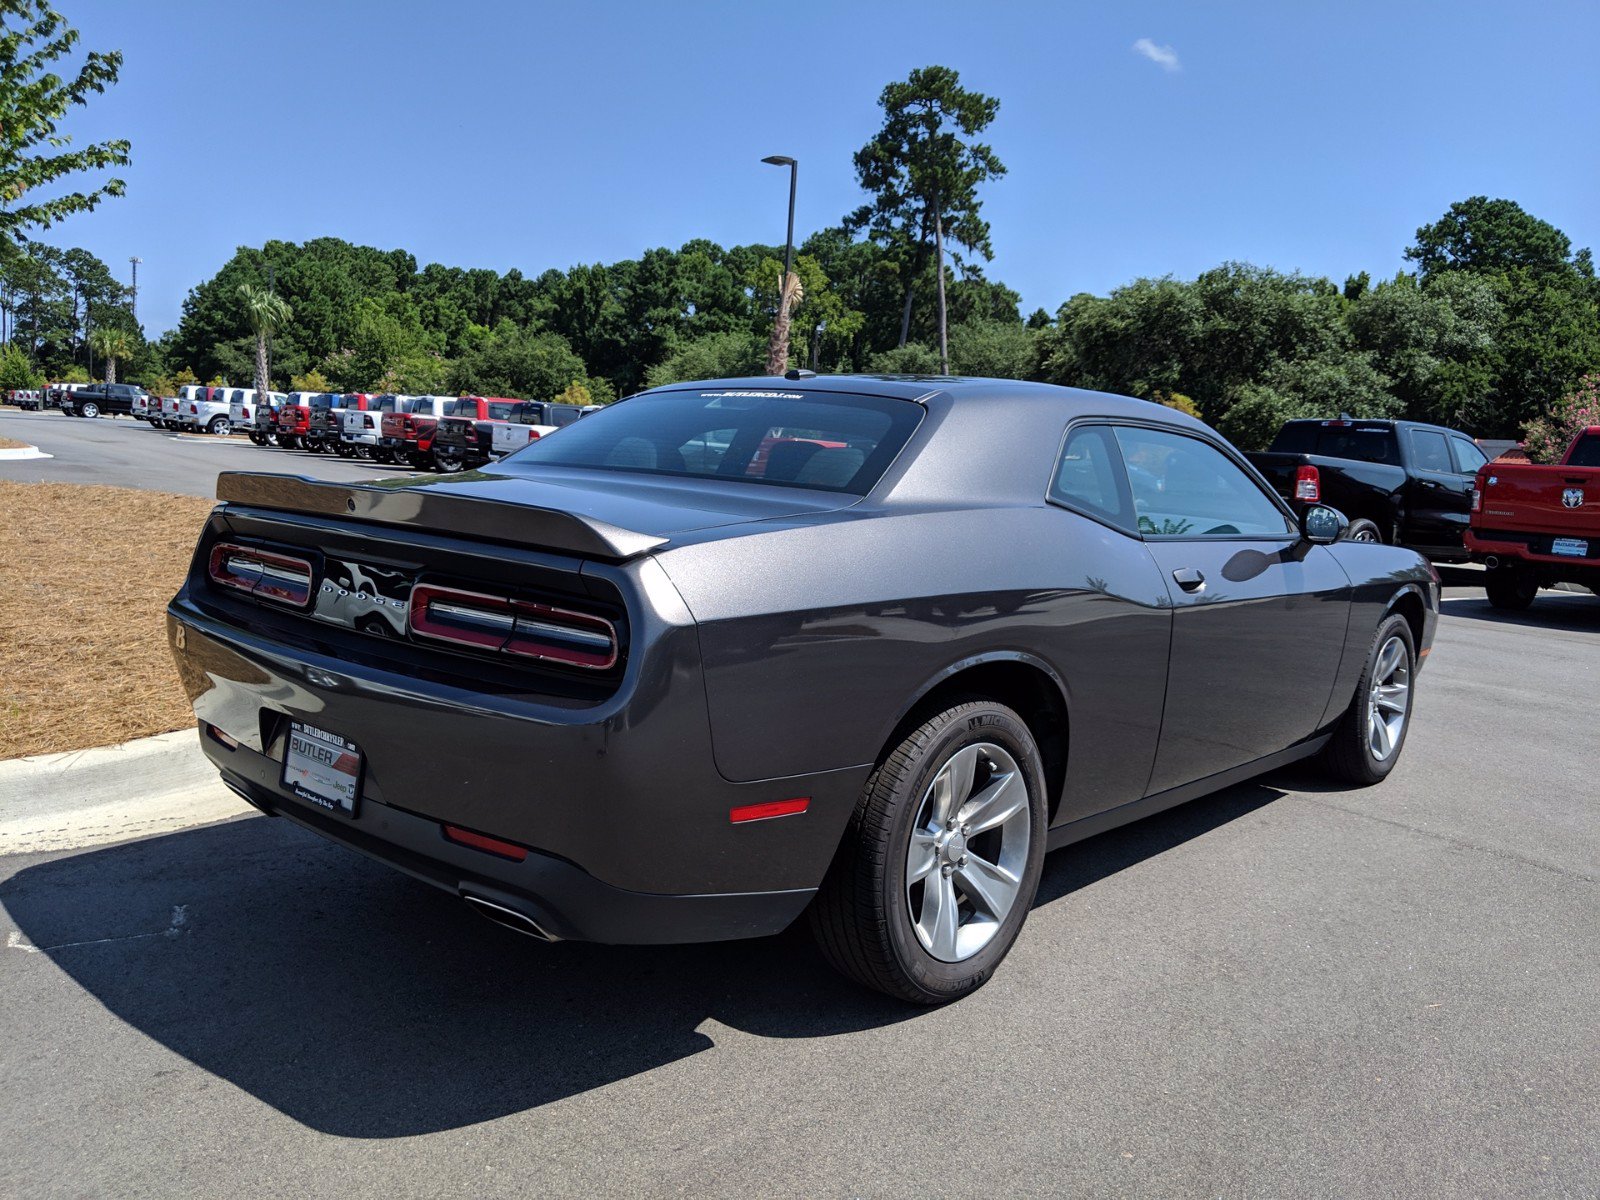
<point>506,626</point>
<point>279,577</point>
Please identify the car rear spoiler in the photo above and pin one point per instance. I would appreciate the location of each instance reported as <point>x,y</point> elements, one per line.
<point>404,502</point>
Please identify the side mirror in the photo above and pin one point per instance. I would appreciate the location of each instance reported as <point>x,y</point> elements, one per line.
<point>1321,525</point>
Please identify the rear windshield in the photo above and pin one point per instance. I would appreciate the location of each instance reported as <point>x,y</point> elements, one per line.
<point>1586,453</point>
<point>383,404</point>
<point>836,443</point>
<point>326,400</point>
<point>1366,443</point>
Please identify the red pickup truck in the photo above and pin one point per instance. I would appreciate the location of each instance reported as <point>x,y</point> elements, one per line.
<point>1534,526</point>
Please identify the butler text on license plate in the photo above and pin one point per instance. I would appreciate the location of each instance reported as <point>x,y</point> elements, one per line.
<point>322,768</point>
<point>1577,547</point>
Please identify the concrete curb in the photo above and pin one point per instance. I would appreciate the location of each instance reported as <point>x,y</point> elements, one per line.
<point>92,797</point>
<point>25,453</point>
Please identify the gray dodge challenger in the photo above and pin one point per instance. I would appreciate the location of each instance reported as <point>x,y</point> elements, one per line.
<point>726,653</point>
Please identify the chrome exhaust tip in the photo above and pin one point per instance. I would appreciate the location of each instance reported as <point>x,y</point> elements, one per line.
<point>509,917</point>
<point>1492,562</point>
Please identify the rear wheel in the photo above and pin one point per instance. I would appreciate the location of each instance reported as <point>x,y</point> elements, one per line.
<point>449,459</point>
<point>344,449</point>
<point>941,861</point>
<point>89,409</point>
<point>286,441</point>
<point>1367,742</point>
<point>1510,588</point>
<point>386,457</point>
<point>1362,530</point>
<point>220,427</point>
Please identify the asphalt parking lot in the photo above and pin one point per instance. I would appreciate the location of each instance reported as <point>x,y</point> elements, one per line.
<point>1284,989</point>
<point>123,452</point>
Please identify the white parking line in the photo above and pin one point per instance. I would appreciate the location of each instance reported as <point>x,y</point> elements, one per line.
<point>180,918</point>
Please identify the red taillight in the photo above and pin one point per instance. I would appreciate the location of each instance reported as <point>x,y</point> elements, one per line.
<point>482,841</point>
<point>278,577</point>
<point>769,809</point>
<point>521,627</point>
<point>1307,483</point>
<point>195,408</point>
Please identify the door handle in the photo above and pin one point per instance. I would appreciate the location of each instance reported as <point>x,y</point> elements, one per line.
<point>1189,579</point>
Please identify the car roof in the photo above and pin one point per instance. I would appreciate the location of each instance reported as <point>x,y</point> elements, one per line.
<point>958,388</point>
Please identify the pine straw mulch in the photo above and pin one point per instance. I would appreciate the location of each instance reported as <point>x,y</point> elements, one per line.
<point>85,576</point>
<point>12,444</point>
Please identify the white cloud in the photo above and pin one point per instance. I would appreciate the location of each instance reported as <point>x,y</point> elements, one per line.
<point>1164,57</point>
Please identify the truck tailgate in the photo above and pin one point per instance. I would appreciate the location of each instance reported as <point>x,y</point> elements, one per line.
<point>1564,501</point>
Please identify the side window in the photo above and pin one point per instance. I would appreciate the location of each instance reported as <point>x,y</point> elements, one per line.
<point>1429,452</point>
<point>1089,477</point>
<point>1468,457</point>
<point>1185,487</point>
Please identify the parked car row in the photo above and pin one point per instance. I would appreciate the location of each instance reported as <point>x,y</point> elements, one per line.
<point>442,433</point>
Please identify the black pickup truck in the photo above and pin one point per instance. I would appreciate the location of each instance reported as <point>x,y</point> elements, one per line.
<point>99,399</point>
<point>1400,482</point>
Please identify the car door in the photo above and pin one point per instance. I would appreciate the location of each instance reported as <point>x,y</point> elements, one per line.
<point>1259,615</point>
<point>1440,495</point>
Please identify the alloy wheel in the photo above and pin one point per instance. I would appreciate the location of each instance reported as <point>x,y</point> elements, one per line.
<point>968,851</point>
<point>1389,699</point>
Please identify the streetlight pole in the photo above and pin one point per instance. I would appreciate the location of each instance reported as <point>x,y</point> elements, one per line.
<point>782,160</point>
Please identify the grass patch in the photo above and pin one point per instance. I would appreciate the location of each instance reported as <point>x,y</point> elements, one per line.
<point>85,576</point>
<point>12,444</point>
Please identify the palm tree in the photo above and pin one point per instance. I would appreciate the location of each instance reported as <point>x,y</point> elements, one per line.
<point>267,313</point>
<point>111,343</point>
<point>778,346</point>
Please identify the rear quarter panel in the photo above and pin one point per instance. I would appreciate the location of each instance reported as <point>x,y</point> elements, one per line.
<point>819,635</point>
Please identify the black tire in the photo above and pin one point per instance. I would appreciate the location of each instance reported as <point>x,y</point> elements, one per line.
<point>380,455</point>
<point>90,410</point>
<point>861,918</point>
<point>1510,588</point>
<point>287,441</point>
<point>220,427</point>
<point>344,449</point>
<point>448,462</point>
<point>1362,530</point>
<point>1348,755</point>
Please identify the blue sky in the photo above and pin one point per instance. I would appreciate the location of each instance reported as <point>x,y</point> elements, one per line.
<point>1315,136</point>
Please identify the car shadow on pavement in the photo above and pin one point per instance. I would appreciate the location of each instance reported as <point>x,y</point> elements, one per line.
<point>1570,611</point>
<point>364,1004</point>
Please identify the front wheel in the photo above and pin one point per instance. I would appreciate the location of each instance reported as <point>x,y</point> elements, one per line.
<point>1367,742</point>
<point>941,860</point>
<point>1362,530</point>
<point>1510,588</point>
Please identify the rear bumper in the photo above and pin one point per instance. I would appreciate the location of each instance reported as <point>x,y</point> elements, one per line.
<point>1522,550</point>
<point>626,817</point>
<point>560,898</point>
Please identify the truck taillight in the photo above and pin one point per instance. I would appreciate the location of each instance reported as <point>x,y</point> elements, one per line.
<point>1307,483</point>
<point>521,627</point>
<point>1477,499</point>
<point>280,577</point>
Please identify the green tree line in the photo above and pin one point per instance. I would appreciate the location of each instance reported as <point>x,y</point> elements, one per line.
<point>1497,319</point>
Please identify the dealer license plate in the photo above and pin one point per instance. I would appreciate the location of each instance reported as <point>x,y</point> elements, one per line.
<point>322,768</point>
<point>1576,547</point>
